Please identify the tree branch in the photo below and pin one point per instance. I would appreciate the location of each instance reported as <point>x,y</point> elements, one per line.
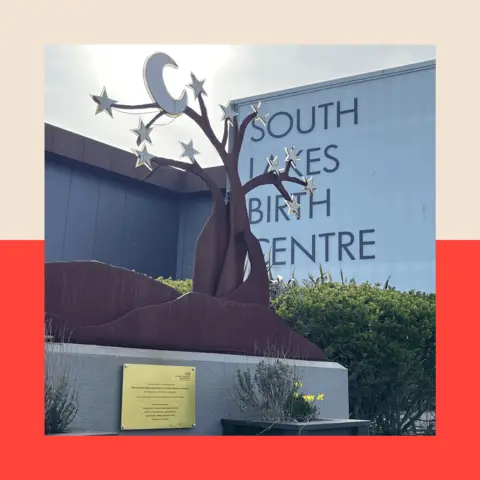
<point>270,178</point>
<point>288,167</point>
<point>243,127</point>
<point>238,134</point>
<point>119,106</point>
<point>194,169</point>
<point>420,404</point>
<point>203,109</point>
<point>412,420</point>
<point>279,185</point>
<point>167,162</point>
<point>204,124</point>
<point>225,134</point>
<point>155,118</point>
<point>201,120</point>
<point>235,133</point>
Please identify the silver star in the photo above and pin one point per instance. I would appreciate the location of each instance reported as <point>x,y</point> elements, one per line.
<point>274,164</point>
<point>293,207</point>
<point>144,158</point>
<point>103,102</point>
<point>292,156</point>
<point>189,151</point>
<point>309,186</point>
<point>143,133</point>
<point>258,116</point>
<point>196,86</point>
<point>228,112</point>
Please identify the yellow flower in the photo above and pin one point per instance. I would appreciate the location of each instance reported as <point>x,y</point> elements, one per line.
<point>320,396</point>
<point>298,385</point>
<point>296,394</point>
<point>309,398</point>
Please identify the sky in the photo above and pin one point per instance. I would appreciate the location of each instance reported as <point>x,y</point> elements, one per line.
<point>74,72</point>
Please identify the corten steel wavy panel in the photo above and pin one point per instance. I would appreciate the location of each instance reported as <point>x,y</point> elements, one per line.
<point>93,293</point>
<point>97,304</point>
<point>200,323</point>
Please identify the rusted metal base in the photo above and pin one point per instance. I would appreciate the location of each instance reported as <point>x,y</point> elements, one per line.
<point>94,303</point>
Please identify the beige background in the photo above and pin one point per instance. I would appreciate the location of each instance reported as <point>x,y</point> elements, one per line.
<point>27,25</point>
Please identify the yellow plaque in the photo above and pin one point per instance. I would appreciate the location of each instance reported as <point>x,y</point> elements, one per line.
<point>157,396</point>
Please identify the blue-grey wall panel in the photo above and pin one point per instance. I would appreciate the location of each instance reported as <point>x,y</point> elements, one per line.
<point>94,215</point>
<point>110,223</point>
<point>150,234</point>
<point>194,213</point>
<point>82,216</point>
<point>57,186</point>
<point>182,225</point>
<point>163,223</point>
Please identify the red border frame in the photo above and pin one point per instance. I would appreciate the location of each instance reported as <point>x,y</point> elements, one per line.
<point>29,454</point>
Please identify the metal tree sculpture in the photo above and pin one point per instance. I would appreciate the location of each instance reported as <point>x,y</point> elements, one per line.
<point>226,239</point>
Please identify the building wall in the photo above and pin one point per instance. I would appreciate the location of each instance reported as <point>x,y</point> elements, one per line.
<point>194,212</point>
<point>93,215</point>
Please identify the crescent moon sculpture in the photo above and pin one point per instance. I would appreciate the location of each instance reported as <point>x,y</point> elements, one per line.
<point>153,77</point>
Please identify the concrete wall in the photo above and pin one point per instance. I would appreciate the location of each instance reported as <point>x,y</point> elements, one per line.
<point>98,372</point>
<point>95,215</point>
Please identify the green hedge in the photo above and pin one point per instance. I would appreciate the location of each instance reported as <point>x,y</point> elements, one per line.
<point>384,337</point>
<point>183,286</point>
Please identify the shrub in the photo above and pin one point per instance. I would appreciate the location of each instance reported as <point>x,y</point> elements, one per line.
<point>182,286</point>
<point>384,337</point>
<point>60,386</point>
<point>277,285</point>
<point>273,393</point>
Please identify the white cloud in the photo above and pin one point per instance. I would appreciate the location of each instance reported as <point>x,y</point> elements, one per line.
<point>73,72</point>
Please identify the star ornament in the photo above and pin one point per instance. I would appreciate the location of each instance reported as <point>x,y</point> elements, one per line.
<point>228,112</point>
<point>274,164</point>
<point>196,86</point>
<point>189,151</point>
<point>103,102</point>
<point>309,186</point>
<point>144,158</point>
<point>143,133</point>
<point>293,207</point>
<point>292,156</point>
<point>256,109</point>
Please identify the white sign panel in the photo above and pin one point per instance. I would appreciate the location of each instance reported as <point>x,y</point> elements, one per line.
<point>369,144</point>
